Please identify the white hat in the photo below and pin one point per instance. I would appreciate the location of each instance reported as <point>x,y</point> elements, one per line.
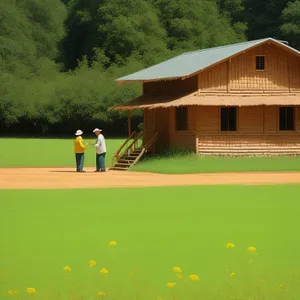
<point>97,129</point>
<point>79,132</point>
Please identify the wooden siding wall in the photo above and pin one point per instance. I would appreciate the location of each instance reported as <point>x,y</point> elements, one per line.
<point>282,72</point>
<point>250,120</point>
<point>157,120</point>
<point>171,87</point>
<point>183,139</point>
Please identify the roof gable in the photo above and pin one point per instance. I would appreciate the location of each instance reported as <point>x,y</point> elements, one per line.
<point>192,62</point>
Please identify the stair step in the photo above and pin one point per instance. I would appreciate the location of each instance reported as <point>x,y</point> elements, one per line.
<point>122,165</point>
<point>130,157</point>
<point>118,169</point>
<point>125,161</point>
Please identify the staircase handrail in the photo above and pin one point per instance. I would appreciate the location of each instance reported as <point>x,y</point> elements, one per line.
<point>116,155</point>
<point>145,148</point>
<point>138,136</point>
<point>150,142</point>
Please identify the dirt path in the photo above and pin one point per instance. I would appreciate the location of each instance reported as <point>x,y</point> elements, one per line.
<point>65,178</point>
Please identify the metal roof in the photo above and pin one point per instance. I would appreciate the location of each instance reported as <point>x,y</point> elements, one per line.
<point>194,61</point>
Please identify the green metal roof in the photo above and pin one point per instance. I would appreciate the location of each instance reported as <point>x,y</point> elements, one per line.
<point>194,61</point>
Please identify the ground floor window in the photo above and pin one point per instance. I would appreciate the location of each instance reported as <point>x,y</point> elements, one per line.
<point>287,118</point>
<point>181,118</point>
<point>228,118</point>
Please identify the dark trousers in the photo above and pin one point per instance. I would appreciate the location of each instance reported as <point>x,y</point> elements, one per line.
<point>100,162</point>
<point>79,157</point>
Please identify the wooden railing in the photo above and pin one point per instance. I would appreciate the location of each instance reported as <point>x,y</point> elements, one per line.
<point>151,142</point>
<point>116,155</point>
<point>132,143</point>
<point>146,147</point>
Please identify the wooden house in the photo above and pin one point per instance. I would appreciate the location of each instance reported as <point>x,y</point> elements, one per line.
<point>238,99</point>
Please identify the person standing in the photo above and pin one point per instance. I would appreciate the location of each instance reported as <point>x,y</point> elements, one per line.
<point>100,150</point>
<point>79,148</point>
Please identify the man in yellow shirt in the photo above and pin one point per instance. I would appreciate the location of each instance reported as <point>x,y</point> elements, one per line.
<point>79,151</point>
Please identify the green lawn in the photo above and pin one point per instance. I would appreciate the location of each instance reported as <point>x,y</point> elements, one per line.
<point>188,164</point>
<point>155,229</point>
<point>48,152</point>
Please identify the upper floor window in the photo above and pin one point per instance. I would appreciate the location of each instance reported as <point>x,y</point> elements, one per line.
<point>181,118</point>
<point>260,63</point>
<point>287,118</point>
<point>228,118</point>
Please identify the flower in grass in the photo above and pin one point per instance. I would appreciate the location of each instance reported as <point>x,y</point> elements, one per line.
<point>92,263</point>
<point>282,287</point>
<point>31,290</point>
<point>12,292</point>
<point>112,243</point>
<point>229,245</point>
<point>103,271</point>
<point>251,249</point>
<point>194,277</point>
<point>179,276</point>
<point>101,294</point>
<point>67,269</point>
<point>171,284</point>
<point>232,274</point>
<point>177,270</point>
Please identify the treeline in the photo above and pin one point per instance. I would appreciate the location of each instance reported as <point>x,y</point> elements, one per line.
<point>59,59</point>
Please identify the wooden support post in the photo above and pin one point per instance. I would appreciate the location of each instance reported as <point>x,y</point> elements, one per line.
<point>129,123</point>
<point>289,71</point>
<point>264,119</point>
<point>228,76</point>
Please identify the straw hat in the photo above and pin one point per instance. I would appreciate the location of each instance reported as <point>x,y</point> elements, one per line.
<point>97,129</point>
<point>79,132</point>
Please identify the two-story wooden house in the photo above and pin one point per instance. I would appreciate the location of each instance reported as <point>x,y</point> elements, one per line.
<point>233,100</point>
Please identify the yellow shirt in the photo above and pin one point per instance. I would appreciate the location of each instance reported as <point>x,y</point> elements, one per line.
<point>78,146</point>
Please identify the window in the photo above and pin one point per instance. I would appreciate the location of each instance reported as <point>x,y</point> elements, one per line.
<point>181,118</point>
<point>228,118</point>
<point>286,118</point>
<point>260,63</point>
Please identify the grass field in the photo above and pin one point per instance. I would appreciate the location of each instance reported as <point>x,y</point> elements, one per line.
<point>59,153</point>
<point>48,152</point>
<point>191,163</point>
<point>155,229</point>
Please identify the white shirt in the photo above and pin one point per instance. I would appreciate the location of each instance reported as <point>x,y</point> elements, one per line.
<point>100,144</point>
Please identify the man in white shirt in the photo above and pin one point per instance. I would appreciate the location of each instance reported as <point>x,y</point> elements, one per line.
<point>100,150</point>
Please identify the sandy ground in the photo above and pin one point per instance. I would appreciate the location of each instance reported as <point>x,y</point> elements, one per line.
<point>66,178</point>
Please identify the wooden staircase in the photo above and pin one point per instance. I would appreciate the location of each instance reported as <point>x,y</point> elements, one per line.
<point>132,150</point>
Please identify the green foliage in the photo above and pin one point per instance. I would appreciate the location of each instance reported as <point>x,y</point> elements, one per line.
<point>193,24</point>
<point>59,59</point>
<point>291,26</point>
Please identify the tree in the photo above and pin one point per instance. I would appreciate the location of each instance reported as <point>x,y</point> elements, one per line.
<point>193,24</point>
<point>290,29</point>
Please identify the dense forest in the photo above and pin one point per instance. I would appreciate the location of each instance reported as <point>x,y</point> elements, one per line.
<point>59,59</point>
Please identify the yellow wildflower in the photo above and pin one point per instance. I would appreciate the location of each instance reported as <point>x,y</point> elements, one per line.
<point>67,269</point>
<point>282,286</point>
<point>92,263</point>
<point>103,271</point>
<point>229,245</point>
<point>177,270</point>
<point>31,291</point>
<point>232,274</point>
<point>12,292</point>
<point>171,284</point>
<point>112,243</point>
<point>179,276</point>
<point>101,294</point>
<point>252,249</point>
<point>194,277</point>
